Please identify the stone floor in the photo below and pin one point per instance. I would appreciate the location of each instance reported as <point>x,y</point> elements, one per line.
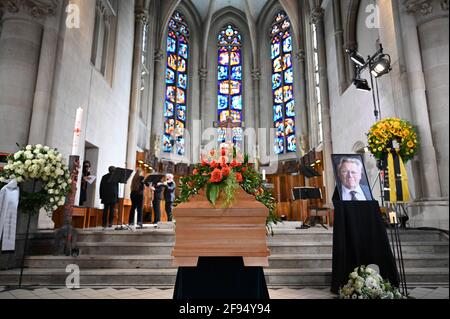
<point>167,293</point>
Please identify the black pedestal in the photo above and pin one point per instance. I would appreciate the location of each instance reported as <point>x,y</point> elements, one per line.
<point>360,238</point>
<point>220,278</point>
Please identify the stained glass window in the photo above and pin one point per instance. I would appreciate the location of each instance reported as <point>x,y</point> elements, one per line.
<point>229,76</point>
<point>176,85</point>
<point>282,85</point>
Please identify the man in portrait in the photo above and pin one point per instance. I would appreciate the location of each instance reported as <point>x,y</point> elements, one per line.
<point>350,172</point>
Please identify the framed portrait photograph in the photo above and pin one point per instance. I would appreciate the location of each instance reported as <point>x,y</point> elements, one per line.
<point>351,177</point>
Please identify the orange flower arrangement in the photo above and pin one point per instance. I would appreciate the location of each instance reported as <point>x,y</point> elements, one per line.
<point>223,172</point>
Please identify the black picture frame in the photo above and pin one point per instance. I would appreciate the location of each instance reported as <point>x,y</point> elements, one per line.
<point>344,184</point>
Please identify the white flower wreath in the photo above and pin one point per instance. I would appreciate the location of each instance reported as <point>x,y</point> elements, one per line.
<point>39,163</point>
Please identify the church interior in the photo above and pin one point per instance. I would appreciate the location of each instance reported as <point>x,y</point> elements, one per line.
<point>154,85</point>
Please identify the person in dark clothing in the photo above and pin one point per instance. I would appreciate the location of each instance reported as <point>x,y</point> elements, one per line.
<point>169,195</point>
<point>84,181</point>
<point>137,197</point>
<point>109,194</point>
<point>158,190</point>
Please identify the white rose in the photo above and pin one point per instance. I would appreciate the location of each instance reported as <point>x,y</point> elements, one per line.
<point>7,167</point>
<point>353,275</point>
<point>61,202</point>
<point>19,179</point>
<point>29,147</point>
<point>50,191</point>
<point>64,185</point>
<point>17,155</point>
<point>52,200</point>
<point>39,146</point>
<point>2,180</point>
<point>28,163</point>
<point>46,148</point>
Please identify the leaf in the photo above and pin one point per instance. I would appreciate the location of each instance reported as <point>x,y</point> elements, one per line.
<point>212,192</point>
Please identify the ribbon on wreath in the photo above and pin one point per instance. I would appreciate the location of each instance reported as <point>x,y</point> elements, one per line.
<point>396,189</point>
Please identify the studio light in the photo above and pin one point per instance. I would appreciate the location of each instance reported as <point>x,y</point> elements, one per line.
<point>381,65</point>
<point>362,84</point>
<point>356,57</point>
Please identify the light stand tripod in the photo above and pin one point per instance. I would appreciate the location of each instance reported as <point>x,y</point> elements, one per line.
<point>397,245</point>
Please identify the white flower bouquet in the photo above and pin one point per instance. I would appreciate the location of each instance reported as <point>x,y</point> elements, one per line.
<point>366,283</point>
<point>43,164</point>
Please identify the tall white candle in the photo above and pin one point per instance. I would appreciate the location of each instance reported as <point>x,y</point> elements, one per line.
<point>393,218</point>
<point>77,132</point>
<point>264,174</point>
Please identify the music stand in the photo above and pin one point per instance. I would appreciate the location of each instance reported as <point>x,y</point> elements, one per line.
<point>120,176</point>
<point>153,179</point>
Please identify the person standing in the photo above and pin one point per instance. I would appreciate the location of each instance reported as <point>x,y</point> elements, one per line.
<point>169,195</point>
<point>109,194</point>
<point>158,189</point>
<point>84,182</point>
<point>137,198</point>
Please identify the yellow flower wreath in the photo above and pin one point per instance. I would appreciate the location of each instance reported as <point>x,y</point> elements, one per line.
<point>383,132</point>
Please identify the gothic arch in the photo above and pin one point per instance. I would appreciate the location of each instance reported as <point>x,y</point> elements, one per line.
<point>228,15</point>
<point>192,114</point>
<point>264,23</point>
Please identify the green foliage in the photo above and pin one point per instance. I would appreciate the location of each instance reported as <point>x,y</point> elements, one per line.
<point>212,192</point>
<point>224,174</point>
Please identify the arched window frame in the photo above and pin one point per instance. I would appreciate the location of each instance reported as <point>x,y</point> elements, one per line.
<point>176,89</point>
<point>230,105</point>
<point>283,98</point>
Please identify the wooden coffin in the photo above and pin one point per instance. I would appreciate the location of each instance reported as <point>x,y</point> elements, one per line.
<point>204,230</point>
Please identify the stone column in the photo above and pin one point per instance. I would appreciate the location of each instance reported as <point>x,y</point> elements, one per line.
<point>141,18</point>
<point>20,45</point>
<point>44,84</point>
<point>203,75</point>
<point>301,97</point>
<point>200,124</point>
<point>424,26</point>
<point>158,99</point>
<point>317,19</point>
<point>253,150</point>
<point>419,105</point>
<point>432,27</point>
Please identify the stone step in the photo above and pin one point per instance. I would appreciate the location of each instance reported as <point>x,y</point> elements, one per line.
<point>165,277</point>
<point>125,248</point>
<point>164,261</point>
<point>149,236</point>
<point>296,248</point>
<point>323,236</point>
<point>101,262</point>
<point>325,261</point>
<point>277,248</point>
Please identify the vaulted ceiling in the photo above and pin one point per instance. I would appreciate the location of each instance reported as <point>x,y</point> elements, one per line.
<point>209,7</point>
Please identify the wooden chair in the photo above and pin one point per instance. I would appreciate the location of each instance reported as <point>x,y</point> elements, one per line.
<point>93,217</point>
<point>320,213</point>
<point>82,213</point>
